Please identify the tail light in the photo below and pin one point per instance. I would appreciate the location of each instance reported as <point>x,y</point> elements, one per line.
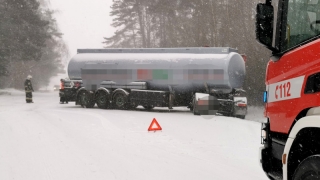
<point>241,105</point>
<point>61,85</point>
<point>77,84</point>
<point>244,57</point>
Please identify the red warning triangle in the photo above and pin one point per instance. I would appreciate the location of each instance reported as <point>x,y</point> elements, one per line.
<point>154,126</point>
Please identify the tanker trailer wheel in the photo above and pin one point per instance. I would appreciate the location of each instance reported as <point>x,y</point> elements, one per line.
<point>82,98</point>
<point>308,169</point>
<point>86,99</point>
<point>120,100</point>
<point>134,106</point>
<point>241,116</point>
<point>148,107</point>
<point>191,106</point>
<point>103,100</point>
<point>194,107</point>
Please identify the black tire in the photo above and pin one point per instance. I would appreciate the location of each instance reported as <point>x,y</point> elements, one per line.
<point>86,99</point>
<point>103,100</point>
<point>308,169</point>
<point>193,106</point>
<point>120,100</point>
<point>82,98</point>
<point>132,107</point>
<point>78,100</point>
<point>149,107</point>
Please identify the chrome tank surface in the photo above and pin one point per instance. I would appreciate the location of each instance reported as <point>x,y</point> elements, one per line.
<point>177,67</point>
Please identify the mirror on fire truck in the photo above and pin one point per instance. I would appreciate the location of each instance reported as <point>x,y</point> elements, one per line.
<point>264,24</point>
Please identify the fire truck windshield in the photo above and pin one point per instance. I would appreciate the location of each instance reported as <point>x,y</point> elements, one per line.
<point>301,24</point>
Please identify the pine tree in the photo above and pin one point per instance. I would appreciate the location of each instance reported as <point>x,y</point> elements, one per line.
<point>30,43</point>
<point>190,23</point>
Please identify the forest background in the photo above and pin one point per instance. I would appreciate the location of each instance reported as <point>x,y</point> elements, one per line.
<point>30,43</point>
<point>30,40</point>
<point>193,23</point>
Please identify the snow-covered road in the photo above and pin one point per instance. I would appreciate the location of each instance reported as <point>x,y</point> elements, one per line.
<point>49,141</point>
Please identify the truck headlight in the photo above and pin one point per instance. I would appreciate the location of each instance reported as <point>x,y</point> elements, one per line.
<point>263,134</point>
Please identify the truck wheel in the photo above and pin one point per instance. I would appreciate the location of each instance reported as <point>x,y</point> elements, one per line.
<point>132,107</point>
<point>103,99</point>
<point>82,98</point>
<point>86,100</point>
<point>91,101</point>
<point>120,100</point>
<point>308,169</point>
<point>194,109</point>
<point>191,108</point>
<point>149,107</point>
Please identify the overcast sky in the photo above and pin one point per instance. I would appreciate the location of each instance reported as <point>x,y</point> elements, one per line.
<point>84,23</point>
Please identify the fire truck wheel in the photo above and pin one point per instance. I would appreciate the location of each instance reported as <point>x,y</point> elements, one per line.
<point>103,100</point>
<point>308,169</point>
<point>120,100</point>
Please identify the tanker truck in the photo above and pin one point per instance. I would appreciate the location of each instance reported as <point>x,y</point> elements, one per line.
<point>208,80</point>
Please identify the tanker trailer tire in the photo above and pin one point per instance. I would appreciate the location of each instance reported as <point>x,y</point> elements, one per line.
<point>82,98</point>
<point>120,100</point>
<point>308,169</point>
<point>103,100</point>
<point>194,109</point>
<point>133,106</point>
<point>149,107</point>
<point>86,99</point>
<point>241,116</point>
<point>190,106</point>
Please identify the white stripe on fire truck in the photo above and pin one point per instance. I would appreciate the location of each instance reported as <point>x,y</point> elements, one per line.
<point>284,90</point>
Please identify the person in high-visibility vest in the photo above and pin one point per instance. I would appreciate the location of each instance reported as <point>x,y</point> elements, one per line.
<point>28,89</point>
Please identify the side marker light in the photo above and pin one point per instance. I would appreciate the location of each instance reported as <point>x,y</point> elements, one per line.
<point>265,96</point>
<point>284,158</point>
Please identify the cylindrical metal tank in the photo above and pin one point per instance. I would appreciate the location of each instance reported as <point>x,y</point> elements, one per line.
<point>178,67</point>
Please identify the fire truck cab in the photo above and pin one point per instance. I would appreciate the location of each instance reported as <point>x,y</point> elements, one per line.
<point>291,133</point>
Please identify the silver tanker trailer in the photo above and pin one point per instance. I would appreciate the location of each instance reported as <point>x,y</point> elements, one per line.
<point>207,80</point>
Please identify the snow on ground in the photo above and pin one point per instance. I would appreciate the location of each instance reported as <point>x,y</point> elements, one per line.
<point>47,140</point>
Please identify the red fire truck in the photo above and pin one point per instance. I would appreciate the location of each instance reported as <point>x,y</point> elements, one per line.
<point>291,134</point>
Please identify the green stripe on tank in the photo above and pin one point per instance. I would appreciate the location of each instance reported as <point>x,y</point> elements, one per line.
<point>160,74</point>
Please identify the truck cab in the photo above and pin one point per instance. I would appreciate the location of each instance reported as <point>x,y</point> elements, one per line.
<point>68,89</point>
<point>291,133</point>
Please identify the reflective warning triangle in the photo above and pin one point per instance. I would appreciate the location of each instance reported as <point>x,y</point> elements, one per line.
<point>154,126</point>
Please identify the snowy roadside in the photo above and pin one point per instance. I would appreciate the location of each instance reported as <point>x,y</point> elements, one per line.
<point>48,140</point>
<point>255,113</point>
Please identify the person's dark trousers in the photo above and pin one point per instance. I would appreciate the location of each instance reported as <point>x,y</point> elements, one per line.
<point>29,97</point>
